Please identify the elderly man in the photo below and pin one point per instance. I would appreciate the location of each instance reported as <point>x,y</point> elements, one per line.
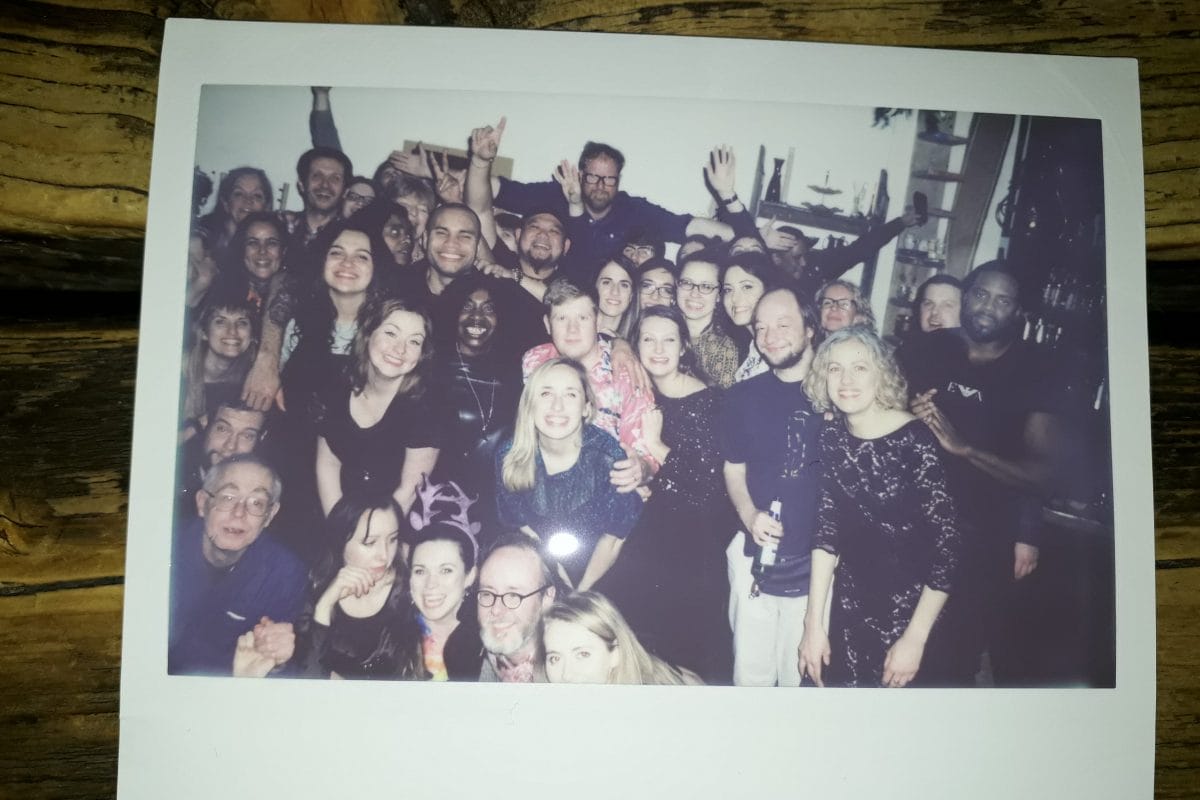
<point>516,587</point>
<point>228,578</point>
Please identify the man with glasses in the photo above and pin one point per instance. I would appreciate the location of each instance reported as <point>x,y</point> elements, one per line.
<point>841,303</point>
<point>516,586</point>
<point>228,579</point>
<point>600,222</point>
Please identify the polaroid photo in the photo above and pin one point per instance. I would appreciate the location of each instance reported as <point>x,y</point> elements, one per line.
<point>682,374</point>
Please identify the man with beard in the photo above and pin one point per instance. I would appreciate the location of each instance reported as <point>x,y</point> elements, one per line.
<point>516,587</point>
<point>321,176</point>
<point>770,439</point>
<point>599,215</point>
<point>989,399</point>
<point>232,429</point>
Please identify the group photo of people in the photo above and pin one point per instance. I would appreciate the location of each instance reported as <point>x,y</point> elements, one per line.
<point>476,390</point>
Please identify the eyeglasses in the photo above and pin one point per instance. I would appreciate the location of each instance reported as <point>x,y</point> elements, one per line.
<point>512,601</point>
<point>256,505</point>
<point>633,250</point>
<point>845,304</point>
<point>686,286</point>
<point>355,197</point>
<point>591,179</point>
<point>653,289</point>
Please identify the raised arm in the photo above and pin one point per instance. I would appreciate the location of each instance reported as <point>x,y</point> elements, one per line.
<point>480,194</point>
<point>320,121</point>
<point>720,173</point>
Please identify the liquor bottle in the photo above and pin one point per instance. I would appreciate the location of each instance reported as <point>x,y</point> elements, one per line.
<point>775,185</point>
<point>764,558</point>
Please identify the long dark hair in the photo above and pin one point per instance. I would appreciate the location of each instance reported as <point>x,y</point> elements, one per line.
<point>397,653</point>
<point>233,266</point>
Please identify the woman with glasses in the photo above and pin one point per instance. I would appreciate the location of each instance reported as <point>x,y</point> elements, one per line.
<point>360,192</point>
<point>673,585</point>
<point>617,309</point>
<point>841,303</point>
<point>697,293</point>
<point>746,277</point>
<point>553,476</point>
<point>586,640</point>
<point>656,283</point>
<point>362,624</point>
<point>885,524</point>
<point>382,433</point>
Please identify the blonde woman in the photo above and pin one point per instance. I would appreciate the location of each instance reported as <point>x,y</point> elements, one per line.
<point>885,524</point>
<point>586,640</point>
<point>552,477</point>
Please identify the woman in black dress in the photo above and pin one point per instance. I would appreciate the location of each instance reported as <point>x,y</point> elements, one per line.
<point>677,599</point>
<point>382,431</point>
<point>886,525</point>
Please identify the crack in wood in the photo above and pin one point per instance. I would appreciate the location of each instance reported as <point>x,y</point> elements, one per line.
<point>26,589</point>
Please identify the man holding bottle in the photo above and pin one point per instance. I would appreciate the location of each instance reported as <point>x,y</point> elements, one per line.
<point>772,464</point>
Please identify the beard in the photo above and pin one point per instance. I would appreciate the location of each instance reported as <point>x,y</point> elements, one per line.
<point>996,333</point>
<point>788,361</point>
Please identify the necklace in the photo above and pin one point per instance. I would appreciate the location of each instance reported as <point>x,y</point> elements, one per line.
<point>486,416</point>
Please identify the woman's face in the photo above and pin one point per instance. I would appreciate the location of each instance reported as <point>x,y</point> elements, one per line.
<point>263,251</point>
<point>559,403</point>
<point>357,196</point>
<point>746,244</point>
<point>615,288</point>
<point>852,377</point>
<point>373,547</point>
<point>228,332</point>
<point>740,293</point>
<point>693,301</point>
<point>438,579</point>
<point>399,240</point>
<point>245,197</point>
<point>349,266</point>
<point>395,347</point>
<point>476,322</point>
<point>659,347</point>
<point>576,655</point>
<point>657,288</point>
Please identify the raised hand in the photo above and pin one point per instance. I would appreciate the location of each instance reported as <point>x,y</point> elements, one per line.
<point>567,175</point>
<point>628,473</point>
<point>411,163</point>
<point>447,182</point>
<point>485,141</point>
<point>721,171</point>
<point>777,241</point>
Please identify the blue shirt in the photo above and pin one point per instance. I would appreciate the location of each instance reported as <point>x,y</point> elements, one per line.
<point>593,241</point>
<point>211,607</point>
<point>771,427</point>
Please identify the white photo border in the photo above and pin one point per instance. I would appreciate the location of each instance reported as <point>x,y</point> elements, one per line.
<point>205,738</point>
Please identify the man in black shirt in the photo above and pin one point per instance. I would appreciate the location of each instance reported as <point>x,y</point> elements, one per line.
<point>989,399</point>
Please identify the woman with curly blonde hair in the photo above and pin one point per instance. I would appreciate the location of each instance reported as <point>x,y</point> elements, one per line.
<point>586,640</point>
<point>885,523</point>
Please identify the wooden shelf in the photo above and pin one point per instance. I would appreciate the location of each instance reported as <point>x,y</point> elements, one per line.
<point>795,215</point>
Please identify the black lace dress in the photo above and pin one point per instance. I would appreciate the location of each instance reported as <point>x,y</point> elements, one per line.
<point>885,511</point>
<point>678,589</point>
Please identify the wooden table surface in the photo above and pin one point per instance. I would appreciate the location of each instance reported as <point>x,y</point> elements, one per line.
<point>77,94</point>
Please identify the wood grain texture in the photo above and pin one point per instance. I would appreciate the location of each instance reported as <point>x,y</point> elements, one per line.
<point>77,94</point>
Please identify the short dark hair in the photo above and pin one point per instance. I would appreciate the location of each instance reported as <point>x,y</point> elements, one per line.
<point>225,190</point>
<point>309,156</point>
<point>998,267</point>
<point>811,318</point>
<point>709,255</point>
<point>658,263</point>
<point>941,279</point>
<point>437,213</point>
<point>593,150</point>
<point>639,237</point>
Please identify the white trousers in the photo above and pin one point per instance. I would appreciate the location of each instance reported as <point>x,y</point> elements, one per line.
<point>766,629</point>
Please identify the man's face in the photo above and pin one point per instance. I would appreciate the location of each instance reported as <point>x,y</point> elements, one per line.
<point>236,513</point>
<point>247,195</point>
<point>641,253</point>
<point>990,308</point>
<point>601,181</point>
<point>837,308</point>
<point>940,307</point>
<point>451,241</point>
<point>324,185</point>
<point>542,242</point>
<point>507,631</point>
<point>572,327</point>
<point>779,330</point>
<point>230,432</point>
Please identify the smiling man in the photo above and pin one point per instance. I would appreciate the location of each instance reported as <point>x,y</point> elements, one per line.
<point>321,177</point>
<point>995,406</point>
<point>227,576</point>
<point>516,587</point>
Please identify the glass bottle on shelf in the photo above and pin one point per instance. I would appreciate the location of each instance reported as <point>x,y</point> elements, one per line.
<point>775,185</point>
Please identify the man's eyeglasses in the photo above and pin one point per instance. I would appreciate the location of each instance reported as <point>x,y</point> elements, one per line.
<point>355,197</point>
<point>845,304</point>
<point>686,286</point>
<point>653,289</point>
<point>641,252</point>
<point>591,179</point>
<point>511,600</point>
<point>256,505</point>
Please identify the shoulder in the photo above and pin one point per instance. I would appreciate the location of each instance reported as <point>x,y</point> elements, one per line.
<point>537,356</point>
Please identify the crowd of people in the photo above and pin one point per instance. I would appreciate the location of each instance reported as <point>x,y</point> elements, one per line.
<point>444,425</point>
